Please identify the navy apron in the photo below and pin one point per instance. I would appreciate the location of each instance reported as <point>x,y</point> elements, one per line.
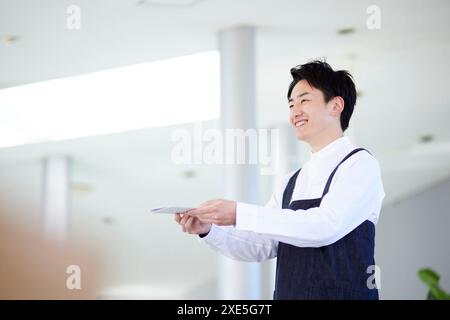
<point>336,271</point>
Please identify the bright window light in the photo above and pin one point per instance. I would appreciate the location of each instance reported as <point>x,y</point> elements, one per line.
<point>169,92</point>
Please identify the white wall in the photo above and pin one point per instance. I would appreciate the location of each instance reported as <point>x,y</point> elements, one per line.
<point>411,234</point>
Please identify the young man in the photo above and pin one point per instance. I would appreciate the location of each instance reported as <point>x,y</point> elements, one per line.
<point>320,221</point>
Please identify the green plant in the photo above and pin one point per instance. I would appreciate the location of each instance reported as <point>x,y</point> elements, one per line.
<point>431,278</point>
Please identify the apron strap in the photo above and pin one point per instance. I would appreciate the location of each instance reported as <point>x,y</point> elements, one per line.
<point>327,186</point>
<point>287,194</point>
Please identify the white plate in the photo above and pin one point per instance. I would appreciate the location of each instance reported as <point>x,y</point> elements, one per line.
<point>171,210</point>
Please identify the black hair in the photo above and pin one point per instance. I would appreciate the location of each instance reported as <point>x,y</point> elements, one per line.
<point>321,76</point>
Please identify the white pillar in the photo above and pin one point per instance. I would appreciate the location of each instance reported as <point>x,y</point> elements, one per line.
<point>56,198</point>
<point>239,280</point>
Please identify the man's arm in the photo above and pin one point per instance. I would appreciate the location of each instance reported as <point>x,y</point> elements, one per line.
<point>355,195</point>
<point>247,245</point>
<point>240,245</point>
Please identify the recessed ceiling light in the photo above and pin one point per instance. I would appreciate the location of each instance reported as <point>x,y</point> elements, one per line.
<point>108,220</point>
<point>9,39</point>
<point>345,31</point>
<point>426,138</point>
<point>189,174</point>
<point>81,188</point>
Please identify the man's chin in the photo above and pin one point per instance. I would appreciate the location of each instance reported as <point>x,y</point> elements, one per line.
<point>301,136</point>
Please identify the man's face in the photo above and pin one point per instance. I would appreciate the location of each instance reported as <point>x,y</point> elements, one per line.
<point>309,114</point>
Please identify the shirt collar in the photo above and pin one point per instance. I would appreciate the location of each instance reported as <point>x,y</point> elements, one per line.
<point>331,148</point>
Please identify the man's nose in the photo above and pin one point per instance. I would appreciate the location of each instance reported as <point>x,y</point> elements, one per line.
<point>298,112</point>
<point>298,107</point>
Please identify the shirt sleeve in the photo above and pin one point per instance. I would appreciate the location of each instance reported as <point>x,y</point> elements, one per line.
<point>245,245</point>
<point>240,245</point>
<point>356,193</point>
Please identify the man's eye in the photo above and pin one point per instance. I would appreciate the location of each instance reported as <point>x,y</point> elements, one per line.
<point>304,100</point>
<point>290,106</point>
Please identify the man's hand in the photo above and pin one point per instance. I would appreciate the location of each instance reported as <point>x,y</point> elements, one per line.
<point>192,225</point>
<point>219,212</point>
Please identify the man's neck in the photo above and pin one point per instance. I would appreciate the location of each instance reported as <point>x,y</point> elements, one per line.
<point>325,139</point>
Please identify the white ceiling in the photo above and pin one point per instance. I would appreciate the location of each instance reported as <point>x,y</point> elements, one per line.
<point>401,71</point>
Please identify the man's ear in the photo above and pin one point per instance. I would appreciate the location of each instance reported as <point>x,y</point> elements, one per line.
<point>337,106</point>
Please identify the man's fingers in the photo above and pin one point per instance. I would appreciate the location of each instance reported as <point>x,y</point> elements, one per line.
<point>206,212</point>
<point>207,203</point>
<point>179,217</point>
<point>203,210</point>
<point>184,218</point>
<point>188,224</point>
<point>209,217</point>
<point>183,222</point>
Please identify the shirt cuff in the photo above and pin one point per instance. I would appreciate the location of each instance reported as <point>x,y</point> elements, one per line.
<point>246,216</point>
<point>212,236</point>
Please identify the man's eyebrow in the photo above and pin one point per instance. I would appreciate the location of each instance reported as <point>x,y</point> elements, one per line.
<point>299,96</point>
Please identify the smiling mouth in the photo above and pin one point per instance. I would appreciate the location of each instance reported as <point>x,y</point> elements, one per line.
<point>300,123</point>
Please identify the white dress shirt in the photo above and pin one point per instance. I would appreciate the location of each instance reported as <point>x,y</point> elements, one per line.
<point>355,195</point>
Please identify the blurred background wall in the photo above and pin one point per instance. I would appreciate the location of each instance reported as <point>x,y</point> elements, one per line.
<point>60,92</point>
